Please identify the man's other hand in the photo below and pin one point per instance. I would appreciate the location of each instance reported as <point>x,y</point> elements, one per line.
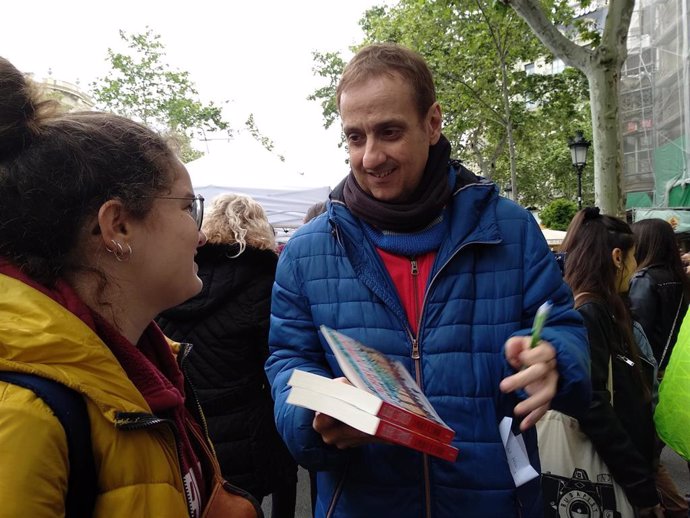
<point>537,375</point>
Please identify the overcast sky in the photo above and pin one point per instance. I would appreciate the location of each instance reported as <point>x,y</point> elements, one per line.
<point>254,54</point>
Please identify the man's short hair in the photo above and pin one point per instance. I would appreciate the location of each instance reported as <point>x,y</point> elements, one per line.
<point>389,59</point>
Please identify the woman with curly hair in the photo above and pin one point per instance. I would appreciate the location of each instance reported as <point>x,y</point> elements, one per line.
<point>227,325</point>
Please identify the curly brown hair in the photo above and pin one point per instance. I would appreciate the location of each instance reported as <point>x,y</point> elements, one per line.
<point>57,169</point>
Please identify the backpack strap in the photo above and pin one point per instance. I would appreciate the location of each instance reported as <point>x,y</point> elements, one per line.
<point>70,409</point>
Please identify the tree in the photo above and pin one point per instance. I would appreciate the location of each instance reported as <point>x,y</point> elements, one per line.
<point>600,58</point>
<point>143,87</point>
<point>475,50</point>
<point>262,139</point>
<point>558,214</point>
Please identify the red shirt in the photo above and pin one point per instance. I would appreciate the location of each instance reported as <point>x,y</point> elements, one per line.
<point>410,276</point>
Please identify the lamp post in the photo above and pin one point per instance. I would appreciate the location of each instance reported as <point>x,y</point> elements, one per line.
<point>509,190</point>
<point>578,154</point>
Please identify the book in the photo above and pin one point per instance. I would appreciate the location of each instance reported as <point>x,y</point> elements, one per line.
<point>401,400</point>
<point>368,402</point>
<point>382,400</point>
<point>367,422</point>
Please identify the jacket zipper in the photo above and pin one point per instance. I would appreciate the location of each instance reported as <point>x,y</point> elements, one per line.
<point>142,421</point>
<point>416,349</point>
<point>414,271</point>
<point>186,349</point>
<point>416,357</point>
<point>336,493</point>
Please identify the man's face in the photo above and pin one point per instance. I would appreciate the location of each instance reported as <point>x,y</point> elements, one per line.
<point>387,140</point>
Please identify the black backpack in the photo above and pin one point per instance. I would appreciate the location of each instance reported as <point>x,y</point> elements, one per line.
<point>70,409</point>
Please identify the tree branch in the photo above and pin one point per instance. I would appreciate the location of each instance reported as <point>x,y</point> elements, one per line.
<point>572,54</point>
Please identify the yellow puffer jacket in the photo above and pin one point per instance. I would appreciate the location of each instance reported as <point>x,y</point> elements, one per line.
<point>138,470</point>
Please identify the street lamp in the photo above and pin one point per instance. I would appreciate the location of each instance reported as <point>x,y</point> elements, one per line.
<point>578,154</point>
<point>509,190</point>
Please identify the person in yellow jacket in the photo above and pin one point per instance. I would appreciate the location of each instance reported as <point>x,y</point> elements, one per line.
<point>99,226</point>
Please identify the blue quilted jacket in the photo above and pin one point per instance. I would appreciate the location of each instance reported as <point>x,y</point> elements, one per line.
<point>490,275</point>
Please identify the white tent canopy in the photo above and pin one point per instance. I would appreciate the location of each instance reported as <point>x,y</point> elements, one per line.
<point>553,237</point>
<point>244,166</point>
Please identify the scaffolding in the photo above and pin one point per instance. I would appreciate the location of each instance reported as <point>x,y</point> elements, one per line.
<point>655,101</point>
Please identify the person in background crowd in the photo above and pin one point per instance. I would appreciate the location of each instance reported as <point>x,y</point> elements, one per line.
<point>424,261</point>
<point>315,210</point>
<point>685,259</point>
<point>99,226</point>
<point>599,263</point>
<point>660,289</point>
<point>227,325</point>
<point>659,295</point>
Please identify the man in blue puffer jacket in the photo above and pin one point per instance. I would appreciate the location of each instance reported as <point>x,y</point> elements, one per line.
<point>421,259</point>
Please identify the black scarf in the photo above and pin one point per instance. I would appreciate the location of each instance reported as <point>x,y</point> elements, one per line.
<point>425,204</point>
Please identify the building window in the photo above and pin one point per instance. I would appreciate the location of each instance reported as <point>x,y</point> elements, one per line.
<point>529,69</point>
<point>557,66</point>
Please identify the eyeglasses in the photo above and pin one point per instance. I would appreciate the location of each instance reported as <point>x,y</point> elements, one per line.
<point>196,209</point>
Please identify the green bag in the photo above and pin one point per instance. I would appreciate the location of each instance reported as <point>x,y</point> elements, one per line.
<point>672,415</point>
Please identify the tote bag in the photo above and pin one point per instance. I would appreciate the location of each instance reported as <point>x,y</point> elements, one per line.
<point>575,481</point>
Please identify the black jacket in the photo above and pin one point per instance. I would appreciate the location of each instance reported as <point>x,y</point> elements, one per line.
<point>623,434</point>
<point>655,295</point>
<point>227,325</point>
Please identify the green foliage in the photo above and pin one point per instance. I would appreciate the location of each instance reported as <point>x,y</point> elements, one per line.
<point>558,214</point>
<point>143,87</point>
<point>467,43</point>
<point>329,65</point>
<point>260,138</point>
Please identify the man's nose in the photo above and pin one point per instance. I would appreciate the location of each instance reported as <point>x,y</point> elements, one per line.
<point>373,154</point>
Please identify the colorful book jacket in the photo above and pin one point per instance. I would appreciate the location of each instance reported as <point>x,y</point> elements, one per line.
<point>369,423</point>
<point>403,402</point>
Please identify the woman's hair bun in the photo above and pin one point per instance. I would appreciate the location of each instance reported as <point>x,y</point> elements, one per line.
<point>591,213</point>
<point>21,110</point>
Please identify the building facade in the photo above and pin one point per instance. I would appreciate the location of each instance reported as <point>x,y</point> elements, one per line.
<point>655,106</point>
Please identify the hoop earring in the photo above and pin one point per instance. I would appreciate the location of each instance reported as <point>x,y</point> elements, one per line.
<point>119,252</point>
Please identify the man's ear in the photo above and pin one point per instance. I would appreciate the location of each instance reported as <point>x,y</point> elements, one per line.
<point>113,223</point>
<point>433,122</point>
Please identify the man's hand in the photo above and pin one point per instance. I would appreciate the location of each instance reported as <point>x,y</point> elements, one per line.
<point>536,374</point>
<point>338,434</point>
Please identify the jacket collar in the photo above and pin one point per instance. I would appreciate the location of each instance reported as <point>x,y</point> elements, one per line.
<point>473,220</point>
<point>39,336</point>
<point>473,212</point>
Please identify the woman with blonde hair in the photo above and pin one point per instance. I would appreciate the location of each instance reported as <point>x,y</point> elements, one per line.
<point>235,218</point>
<point>227,325</point>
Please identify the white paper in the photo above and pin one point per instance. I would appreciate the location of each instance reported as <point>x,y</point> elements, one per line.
<point>516,453</point>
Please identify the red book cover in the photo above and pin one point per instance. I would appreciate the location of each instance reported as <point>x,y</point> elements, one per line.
<point>402,401</point>
<point>369,423</point>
